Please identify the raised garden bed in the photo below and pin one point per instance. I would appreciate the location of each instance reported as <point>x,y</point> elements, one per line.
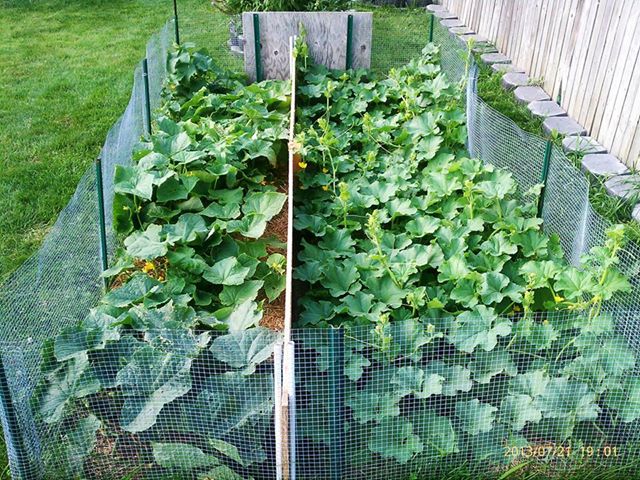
<point>437,324</point>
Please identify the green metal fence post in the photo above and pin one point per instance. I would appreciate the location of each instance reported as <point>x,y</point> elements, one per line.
<point>147,97</point>
<point>431,22</point>
<point>104,261</point>
<point>545,175</point>
<point>336,402</point>
<point>12,433</point>
<point>175,21</point>
<point>257,46</point>
<point>349,42</point>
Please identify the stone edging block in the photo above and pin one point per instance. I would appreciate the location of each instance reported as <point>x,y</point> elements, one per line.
<point>624,187</point>
<point>491,58</point>
<point>582,144</point>
<point>445,15</point>
<point>463,30</point>
<point>546,109</point>
<point>452,22</point>
<point>506,68</point>
<point>563,125</point>
<point>511,80</point>
<point>530,94</point>
<point>603,165</point>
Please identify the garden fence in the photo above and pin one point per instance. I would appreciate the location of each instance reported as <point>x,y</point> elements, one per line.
<point>342,387</point>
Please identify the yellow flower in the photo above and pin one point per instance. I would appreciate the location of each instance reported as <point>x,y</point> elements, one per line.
<point>516,308</point>
<point>558,298</point>
<point>302,165</point>
<point>545,322</point>
<point>325,170</point>
<point>325,187</point>
<point>149,267</point>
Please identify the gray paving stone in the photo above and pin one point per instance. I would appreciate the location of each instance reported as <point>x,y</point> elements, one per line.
<point>475,37</point>
<point>435,8</point>
<point>491,58</point>
<point>582,144</point>
<point>625,187</point>
<point>506,68</point>
<point>603,165</point>
<point>546,109</point>
<point>443,14</point>
<point>453,22</point>
<point>636,213</point>
<point>528,94</point>
<point>564,126</point>
<point>482,48</point>
<point>461,30</point>
<point>511,80</point>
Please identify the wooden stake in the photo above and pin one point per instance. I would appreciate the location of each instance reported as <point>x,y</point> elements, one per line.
<point>285,421</point>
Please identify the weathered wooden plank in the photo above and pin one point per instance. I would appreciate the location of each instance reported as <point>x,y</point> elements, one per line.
<point>602,82</point>
<point>614,80</point>
<point>580,68</point>
<point>624,73</point>
<point>596,59</point>
<point>326,37</point>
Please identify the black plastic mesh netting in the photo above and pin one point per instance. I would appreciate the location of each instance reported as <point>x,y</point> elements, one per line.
<point>392,403</point>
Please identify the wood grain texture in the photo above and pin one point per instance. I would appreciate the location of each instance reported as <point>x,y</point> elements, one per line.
<point>589,47</point>
<point>326,37</point>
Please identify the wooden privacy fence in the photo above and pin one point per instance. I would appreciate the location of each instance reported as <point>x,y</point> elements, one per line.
<point>590,47</point>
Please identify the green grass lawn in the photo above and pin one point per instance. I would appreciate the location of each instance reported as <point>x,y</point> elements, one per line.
<point>67,71</point>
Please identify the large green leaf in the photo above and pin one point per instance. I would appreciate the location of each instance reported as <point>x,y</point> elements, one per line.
<point>245,349</point>
<point>565,398</point>
<point>182,456</point>
<point>517,410</point>
<point>479,328</point>
<point>72,380</point>
<point>341,278</point>
<point>235,295</point>
<point>456,377</point>
<point>373,406</point>
<point>228,271</point>
<point>475,417</point>
<point>227,402</point>
<point>151,380</point>
<point>532,383</point>
<point>133,181</point>
<point>486,365</point>
<point>413,381</point>
<point>435,431</point>
<point>258,209</point>
<point>242,317</point>
<point>394,439</point>
<point>626,399</point>
<point>93,334</point>
<point>187,229</point>
<point>148,245</point>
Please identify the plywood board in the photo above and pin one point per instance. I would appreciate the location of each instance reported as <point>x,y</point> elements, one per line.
<point>326,37</point>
